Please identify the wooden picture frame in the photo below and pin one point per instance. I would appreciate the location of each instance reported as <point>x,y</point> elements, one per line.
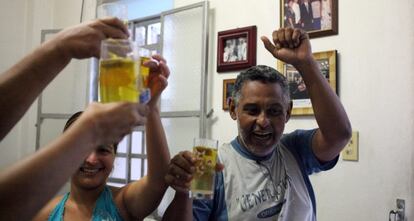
<point>228,87</point>
<point>298,93</point>
<point>319,19</point>
<point>236,49</point>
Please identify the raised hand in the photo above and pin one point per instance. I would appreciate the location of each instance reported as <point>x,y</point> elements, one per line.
<point>84,40</point>
<point>289,45</point>
<point>111,122</point>
<point>157,82</point>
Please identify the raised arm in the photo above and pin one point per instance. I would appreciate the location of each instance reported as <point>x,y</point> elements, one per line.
<point>26,186</point>
<point>35,71</point>
<point>143,196</point>
<point>293,46</point>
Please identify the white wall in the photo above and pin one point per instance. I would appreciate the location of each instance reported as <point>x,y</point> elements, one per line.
<point>375,45</point>
<point>22,22</point>
<point>12,19</point>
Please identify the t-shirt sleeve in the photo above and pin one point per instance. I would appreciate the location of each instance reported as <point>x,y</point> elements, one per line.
<point>299,142</point>
<point>204,209</point>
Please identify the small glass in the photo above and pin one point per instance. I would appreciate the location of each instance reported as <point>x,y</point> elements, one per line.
<point>205,151</point>
<point>122,75</point>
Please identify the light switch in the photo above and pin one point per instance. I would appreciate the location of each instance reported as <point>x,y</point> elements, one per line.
<point>350,152</point>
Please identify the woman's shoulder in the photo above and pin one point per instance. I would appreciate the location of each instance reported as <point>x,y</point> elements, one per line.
<point>44,213</point>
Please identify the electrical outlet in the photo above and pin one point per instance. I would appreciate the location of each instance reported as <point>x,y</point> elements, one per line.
<point>350,152</point>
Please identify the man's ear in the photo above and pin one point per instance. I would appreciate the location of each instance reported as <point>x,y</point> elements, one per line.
<point>289,111</point>
<point>232,108</point>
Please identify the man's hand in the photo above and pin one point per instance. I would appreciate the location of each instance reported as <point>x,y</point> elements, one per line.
<point>292,46</point>
<point>84,40</point>
<point>182,169</point>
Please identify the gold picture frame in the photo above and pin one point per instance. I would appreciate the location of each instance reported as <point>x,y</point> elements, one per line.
<point>302,105</point>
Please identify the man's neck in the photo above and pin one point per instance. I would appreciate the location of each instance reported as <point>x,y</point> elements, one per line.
<point>258,156</point>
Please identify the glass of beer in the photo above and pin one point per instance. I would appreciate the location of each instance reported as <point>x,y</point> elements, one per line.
<point>122,75</point>
<point>205,152</point>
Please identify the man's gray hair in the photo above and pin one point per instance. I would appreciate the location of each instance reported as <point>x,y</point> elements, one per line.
<point>264,74</point>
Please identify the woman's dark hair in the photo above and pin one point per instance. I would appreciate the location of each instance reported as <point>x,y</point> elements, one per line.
<point>73,118</point>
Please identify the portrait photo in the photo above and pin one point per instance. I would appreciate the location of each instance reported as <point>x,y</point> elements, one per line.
<point>317,17</point>
<point>236,49</point>
<point>228,87</point>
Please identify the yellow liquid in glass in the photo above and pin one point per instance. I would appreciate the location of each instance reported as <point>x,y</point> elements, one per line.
<point>118,80</point>
<point>144,71</point>
<point>203,181</point>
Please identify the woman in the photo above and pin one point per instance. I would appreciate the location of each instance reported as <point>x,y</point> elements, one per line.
<point>91,199</point>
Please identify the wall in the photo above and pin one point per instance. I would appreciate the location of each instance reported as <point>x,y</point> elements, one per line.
<point>24,20</point>
<point>375,71</point>
<point>12,19</point>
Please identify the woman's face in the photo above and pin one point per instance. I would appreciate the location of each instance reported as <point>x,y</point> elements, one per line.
<point>96,168</point>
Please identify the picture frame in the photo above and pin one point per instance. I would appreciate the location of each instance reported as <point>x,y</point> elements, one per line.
<point>302,105</point>
<point>319,19</point>
<point>236,49</point>
<point>228,87</point>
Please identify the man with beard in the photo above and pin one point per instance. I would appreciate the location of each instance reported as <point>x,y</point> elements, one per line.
<point>266,173</point>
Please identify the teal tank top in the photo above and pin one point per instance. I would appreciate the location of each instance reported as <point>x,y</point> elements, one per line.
<point>105,208</point>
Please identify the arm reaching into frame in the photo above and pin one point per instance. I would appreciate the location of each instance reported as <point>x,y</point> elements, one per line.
<point>35,71</point>
<point>142,197</point>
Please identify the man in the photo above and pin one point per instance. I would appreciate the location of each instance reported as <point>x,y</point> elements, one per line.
<point>265,174</point>
<point>28,184</point>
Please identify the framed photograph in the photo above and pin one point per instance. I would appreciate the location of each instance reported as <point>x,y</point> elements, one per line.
<point>228,86</point>
<point>236,49</point>
<point>301,102</point>
<point>318,17</point>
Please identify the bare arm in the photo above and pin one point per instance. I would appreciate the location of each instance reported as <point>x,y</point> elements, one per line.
<point>35,71</point>
<point>143,197</point>
<point>181,208</point>
<point>293,46</point>
<point>30,183</point>
<point>179,177</point>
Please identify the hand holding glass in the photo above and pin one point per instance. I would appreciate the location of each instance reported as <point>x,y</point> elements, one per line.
<point>122,75</point>
<point>205,152</point>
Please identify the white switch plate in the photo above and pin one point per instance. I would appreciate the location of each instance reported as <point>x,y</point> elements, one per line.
<point>351,151</point>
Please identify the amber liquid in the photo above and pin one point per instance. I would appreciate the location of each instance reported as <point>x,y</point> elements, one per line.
<point>118,79</point>
<point>144,71</point>
<point>203,182</point>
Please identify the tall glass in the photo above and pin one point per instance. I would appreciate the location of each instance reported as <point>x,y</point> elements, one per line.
<point>122,75</point>
<point>205,151</point>
<point>113,9</point>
